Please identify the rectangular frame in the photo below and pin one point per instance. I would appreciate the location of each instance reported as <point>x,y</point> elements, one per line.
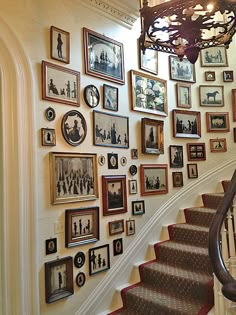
<point>192,170</point>
<point>81,226</point>
<point>133,187</point>
<point>152,136</point>
<point>118,246</point>
<point>177,178</point>
<point>149,93</point>
<point>138,207</point>
<point>148,61</point>
<point>116,227</point>
<point>234,134</point>
<point>110,97</point>
<point>130,227</point>
<point>211,95</point>
<point>181,70</point>
<point>214,57</point>
<point>210,75</point>
<point>183,95</point>
<point>48,137</point>
<point>217,122</point>
<point>196,151</point>
<point>58,279</point>
<point>60,44</point>
<point>104,57</point>
<point>228,76</point>
<point>154,179</point>
<point>176,156</point>
<point>60,84</point>
<point>234,104</point>
<point>186,124</point>
<point>99,259</point>
<point>218,145</point>
<point>65,176</point>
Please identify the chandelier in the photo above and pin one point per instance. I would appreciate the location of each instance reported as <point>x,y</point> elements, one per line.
<point>184,27</point>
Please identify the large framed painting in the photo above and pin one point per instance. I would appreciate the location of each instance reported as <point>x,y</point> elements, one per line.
<point>214,57</point>
<point>211,95</point>
<point>181,70</point>
<point>154,179</point>
<point>186,124</point>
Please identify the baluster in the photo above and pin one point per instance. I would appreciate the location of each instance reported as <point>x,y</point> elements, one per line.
<point>231,236</point>
<point>216,295</point>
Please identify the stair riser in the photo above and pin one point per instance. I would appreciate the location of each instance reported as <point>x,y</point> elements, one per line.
<point>211,201</point>
<point>191,237</point>
<point>198,218</point>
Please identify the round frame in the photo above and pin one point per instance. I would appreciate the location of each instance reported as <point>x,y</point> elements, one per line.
<point>91,96</point>
<point>133,170</point>
<point>79,259</point>
<point>80,279</point>
<point>50,114</point>
<point>74,127</point>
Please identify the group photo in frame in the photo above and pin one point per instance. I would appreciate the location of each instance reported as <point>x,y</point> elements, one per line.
<point>192,170</point>
<point>177,178</point>
<point>148,60</point>
<point>214,57</point>
<point>176,156</point>
<point>181,70</point>
<point>186,124</point>
<point>218,145</point>
<point>99,259</point>
<point>110,97</point>
<point>154,179</point>
<point>211,95</point>
<point>60,44</point>
<point>183,93</point>
<point>152,136</point>
<point>116,227</point>
<point>138,207</point>
<point>217,122</point>
<point>196,151</point>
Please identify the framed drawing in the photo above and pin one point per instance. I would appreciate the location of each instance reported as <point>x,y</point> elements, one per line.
<point>130,227</point>
<point>149,93</point>
<point>148,60</point>
<point>192,170</point>
<point>196,151</point>
<point>99,259</point>
<point>60,84</point>
<point>177,179</point>
<point>80,279</point>
<point>133,188</point>
<point>186,124</point>
<point>117,246</point>
<point>81,226</point>
<point>112,159</point>
<point>234,104</point>
<point>138,207</point>
<point>214,57</point>
<point>218,145</point>
<point>116,227</point>
<point>176,156</point>
<point>183,92</point>
<point>91,95</point>
<point>211,95</point>
<point>152,136</point>
<point>73,177</point>
<point>114,194</point>
<point>48,137</point>
<point>181,70</point>
<point>110,130</point>
<point>217,122</point>
<point>154,179</point>
<point>110,97</point>
<point>228,76</point>
<point>104,57</point>
<point>210,76</point>
<point>58,279</point>
<point>51,246</point>
<point>60,44</point>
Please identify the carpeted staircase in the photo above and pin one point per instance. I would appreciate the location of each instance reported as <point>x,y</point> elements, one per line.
<point>179,281</point>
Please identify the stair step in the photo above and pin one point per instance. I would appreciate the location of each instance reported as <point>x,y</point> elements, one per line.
<point>225,184</point>
<point>212,200</point>
<point>201,216</point>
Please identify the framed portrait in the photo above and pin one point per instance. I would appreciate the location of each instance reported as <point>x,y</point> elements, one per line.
<point>50,114</point>
<point>110,97</point>
<point>183,93</point>
<point>217,122</point>
<point>112,159</point>
<point>114,194</point>
<point>91,95</point>
<point>228,76</point>
<point>234,133</point>
<point>110,130</point>
<point>48,137</point>
<point>81,226</point>
<point>74,127</point>
<point>130,227</point>
<point>60,44</point>
<point>192,170</point>
<point>117,247</point>
<point>138,207</point>
<point>186,124</point>
<point>60,84</point>
<point>234,104</point>
<point>58,279</point>
<point>51,246</point>
<point>154,179</point>
<point>123,161</point>
<point>133,187</point>
<point>218,145</point>
<point>196,151</point>
<point>152,136</point>
<point>101,160</point>
<point>181,70</point>
<point>211,95</point>
<point>133,170</point>
<point>214,57</point>
<point>79,259</point>
<point>104,57</point>
<point>80,279</point>
<point>134,153</point>
<point>148,60</point>
<point>176,156</point>
<point>99,259</point>
<point>149,93</point>
<point>210,76</point>
<point>73,177</point>
<point>116,227</point>
<point>177,179</point>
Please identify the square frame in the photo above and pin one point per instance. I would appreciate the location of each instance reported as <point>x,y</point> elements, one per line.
<point>60,44</point>
<point>51,246</point>
<point>181,70</point>
<point>154,179</point>
<point>228,76</point>
<point>177,178</point>
<point>133,186</point>
<point>183,95</point>
<point>211,95</point>
<point>192,170</point>
<point>176,156</point>
<point>218,145</point>
<point>196,151</point>
<point>110,97</point>
<point>118,246</point>
<point>210,75</point>
<point>214,57</point>
<point>48,137</point>
<point>186,124</point>
<point>234,104</point>
<point>217,122</point>
<point>152,136</point>
<point>99,259</point>
<point>116,227</point>
<point>130,227</point>
<point>138,207</point>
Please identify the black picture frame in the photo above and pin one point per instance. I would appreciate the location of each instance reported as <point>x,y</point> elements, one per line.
<point>118,246</point>
<point>79,259</point>
<point>99,259</point>
<point>138,207</point>
<point>192,170</point>
<point>112,160</point>
<point>80,279</point>
<point>91,95</point>
<point>51,246</point>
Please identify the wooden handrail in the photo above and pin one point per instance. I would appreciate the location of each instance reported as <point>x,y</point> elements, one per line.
<point>220,270</point>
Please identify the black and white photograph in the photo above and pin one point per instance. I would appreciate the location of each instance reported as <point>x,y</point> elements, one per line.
<point>181,70</point>
<point>211,95</point>
<point>138,207</point>
<point>110,97</point>
<point>91,95</point>
<point>60,44</point>
<point>214,57</point>
<point>148,60</point>
<point>186,124</point>
<point>99,259</point>
<point>176,156</point>
<point>117,247</point>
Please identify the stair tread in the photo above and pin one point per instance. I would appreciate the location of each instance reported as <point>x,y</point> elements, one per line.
<point>185,247</point>
<point>201,210</point>
<point>187,226</point>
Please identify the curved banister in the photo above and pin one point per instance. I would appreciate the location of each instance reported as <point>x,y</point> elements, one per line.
<point>220,270</point>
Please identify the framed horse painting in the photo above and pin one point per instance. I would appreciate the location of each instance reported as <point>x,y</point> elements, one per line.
<point>211,95</point>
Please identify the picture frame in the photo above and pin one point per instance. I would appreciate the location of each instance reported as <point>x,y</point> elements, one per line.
<point>133,170</point>
<point>138,207</point>
<point>99,259</point>
<point>133,186</point>
<point>59,44</point>
<point>62,165</point>
<point>60,84</point>
<point>152,136</point>
<point>148,60</point>
<point>134,154</point>
<point>196,151</point>
<point>234,133</point>
<point>74,127</point>
<point>176,156</point>
<point>81,226</point>
<point>51,246</point>
<point>149,93</point>
<point>91,95</point>
<point>110,97</point>
<point>112,159</point>
<point>186,124</point>
<point>50,114</point>
<point>80,279</point>
<point>79,260</point>
<point>217,121</point>
<point>214,57</point>
<point>234,104</point>
<point>110,130</point>
<point>183,93</point>
<point>177,179</point>
<point>116,227</point>
<point>211,95</point>
<point>192,170</point>
<point>48,137</point>
<point>118,246</point>
<point>130,227</point>
<point>228,76</point>
<point>101,159</point>
<point>123,161</point>
<point>181,70</point>
<point>210,76</point>
<point>58,279</point>
<point>218,145</point>
<point>114,194</point>
<point>154,179</point>
<point>104,57</point>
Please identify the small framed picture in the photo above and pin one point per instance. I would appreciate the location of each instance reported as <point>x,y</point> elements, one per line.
<point>228,76</point>
<point>48,137</point>
<point>217,122</point>
<point>192,170</point>
<point>118,247</point>
<point>211,95</point>
<point>112,159</point>
<point>138,207</point>
<point>218,145</point>
<point>101,160</point>
<point>196,151</point>
<point>214,57</point>
<point>116,227</point>
<point>123,161</point>
<point>110,97</point>
<point>130,227</point>
<point>91,95</point>
<point>80,279</point>
<point>177,179</point>
<point>183,92</point>
<point>60,44</point>
<point>99,259</point>
<point>51,246</point>
<point>181,70</point>
<point>79,259</point>
<point>134,154</point>
<point>148,60</point>
<point>210,76</point>
<point>186,124</point>
<point>133,186</point>
<point>176,156</point>
<point>154,179</point>
<point>50,114</point>
<point>234,131</point>
<point>152,136</point>
<point>234,104</point>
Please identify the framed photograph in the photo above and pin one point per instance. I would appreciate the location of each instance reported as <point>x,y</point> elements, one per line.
<point>99,259</point>
<point>73,177</point>
<point>133,188</point>
<point>192,170</point>
<point>118,247</point>
<point>214,57</point>
<point>48,137</point>
<point>183,92</point>
<point>211,95</point>
<point>80,279</point>
<point>60,44</point>
<point>234,131</point>
<point>181,70</point>
<point>110,130</point>
<point>60,84</point>
<point>217,122</point>
<point>148,60</point>
<point>112,159</point>
<point>154,179</point>
<point>81,226</point>
<point>91,95</point>
<point>51,246</point>
<point>149,93</point>
<point>234,104</point>
<point>134,153</point>
<point>218,145</point>
<point>196,151</point>
<point>110,97</point>
<point>138,207</point>
<point>186,124</point>
<point>152,136</point>
<point>210,76</point>
<point>116,227</point>
<point>50,114</point>
<point>104,57</point>
<point>114,194</point>
<point>130,227</point>
<point>79,259</point>
<point>228,76</point>
<point>177,179</point>
<point>176,156</point>
<point>58,279</point>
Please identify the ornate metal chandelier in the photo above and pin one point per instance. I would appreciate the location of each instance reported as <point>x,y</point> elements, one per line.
<point>184,27</point>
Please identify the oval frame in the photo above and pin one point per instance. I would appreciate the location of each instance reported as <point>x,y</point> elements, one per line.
<point>91,96</point>
<point>79,259</point>
<point>133,169</point>
<point>80,279</point>
<point>50,114</point>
